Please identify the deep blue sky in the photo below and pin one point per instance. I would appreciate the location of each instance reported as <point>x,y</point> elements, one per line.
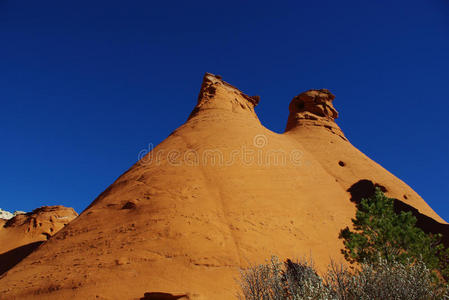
<point>85,85</point>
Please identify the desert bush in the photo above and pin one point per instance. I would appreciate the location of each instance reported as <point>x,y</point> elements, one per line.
<point>385,280</point>
<point>263,281</point>
<point>278,281</point>
<point>378,281</point>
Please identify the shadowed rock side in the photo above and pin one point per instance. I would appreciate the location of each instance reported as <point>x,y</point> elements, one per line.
<point>220,192</point>
<point>12,257</point>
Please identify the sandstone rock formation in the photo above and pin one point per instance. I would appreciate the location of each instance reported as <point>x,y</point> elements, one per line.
<point>24,232</point>
<point>222,191</point>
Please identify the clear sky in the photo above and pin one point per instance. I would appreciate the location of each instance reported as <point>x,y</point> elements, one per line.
<point>86,85</point>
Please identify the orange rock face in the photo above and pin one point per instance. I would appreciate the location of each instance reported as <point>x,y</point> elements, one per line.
<point>222,191</point>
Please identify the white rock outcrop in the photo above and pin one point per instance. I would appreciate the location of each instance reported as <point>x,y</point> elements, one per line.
<point>6,215</point>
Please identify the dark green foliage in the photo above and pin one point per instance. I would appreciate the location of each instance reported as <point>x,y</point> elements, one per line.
<point>380,232</point>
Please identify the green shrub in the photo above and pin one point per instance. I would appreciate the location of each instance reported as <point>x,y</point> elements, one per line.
<point>380,231</point>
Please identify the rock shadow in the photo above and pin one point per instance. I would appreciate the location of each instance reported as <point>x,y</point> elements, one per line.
<point>163,296</point>
<point>11,258</point>
<point>364,189</point>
